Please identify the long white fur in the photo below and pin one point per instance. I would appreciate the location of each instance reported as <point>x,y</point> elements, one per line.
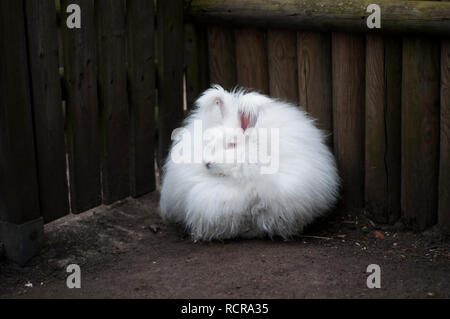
<point>237,201</point>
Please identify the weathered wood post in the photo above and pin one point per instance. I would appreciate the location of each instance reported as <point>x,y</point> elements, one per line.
<point>251,59</point>
<point>222,56</point>
<point>195,62</point>
<point>400,16</point>
<point>83,134</point>
<point>420,131</point>
<point>314,78</point>
<point>444,169</point>
<point>282,59</point>
<point>115,128</point>
<point>142,95</point>
<point>383,127</point>
<point>47,105</point>
<point>170,71</point>
<point>21,224</point>
<point>348,114</point>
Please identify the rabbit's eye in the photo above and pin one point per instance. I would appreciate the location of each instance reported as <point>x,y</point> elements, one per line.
<point>218,103</point>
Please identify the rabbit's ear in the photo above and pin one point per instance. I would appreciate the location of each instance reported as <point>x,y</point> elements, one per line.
<point>247,121</point>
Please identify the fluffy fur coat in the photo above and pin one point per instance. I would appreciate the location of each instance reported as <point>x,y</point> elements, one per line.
<point>214,199</point>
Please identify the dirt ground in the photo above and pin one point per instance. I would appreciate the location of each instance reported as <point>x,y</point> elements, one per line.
<point>125,251</point>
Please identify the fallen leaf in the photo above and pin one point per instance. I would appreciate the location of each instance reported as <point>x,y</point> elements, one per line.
<point>119,252</point>
<point>378,234</point>
<point>154,228</point>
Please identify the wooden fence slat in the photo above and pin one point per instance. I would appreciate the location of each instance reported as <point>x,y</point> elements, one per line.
<point>196,62</point>
<point>21,224</point>
<point>222,56</point>
<point>393,115</point>
<point>19,194</point>
<point>420,131</point>
<point>142,95</point>
<point>170,72</point>
<point>113,100</point>
<point>47,105</point>
<point>383,112</point>
<point>80,67</point>
<point>251,59</point>
<point>375,172</point>
<point>282,54</point>
<point>348,114</point>
<point>314,77</point>
<point>444,175</point>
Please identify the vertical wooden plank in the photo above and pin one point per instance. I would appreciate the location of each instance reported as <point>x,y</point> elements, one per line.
<point>19,195</point>
<point>59,32</point>
<point>113,100</point>
<point>196,62</point>
<point>376,174</point>
<point>420,131</point>
<point>142,97</point>
<point>393,118</point>
<point>170,71</point>
<point>282,55</point>
<point>80,67</point>
<point>47,105</point>
<point>21,224</point>
<point>348,114</point>
<point>251,59</point>
<point>59,22</point>
<point>444,172</point>
<point>314,77</point>
<point>444,166</point>
<point>222,56</point>
<point>383,108</point>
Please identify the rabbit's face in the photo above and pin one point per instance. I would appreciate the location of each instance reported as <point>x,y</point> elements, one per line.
<point>223,151</point>
<point>226,117</point>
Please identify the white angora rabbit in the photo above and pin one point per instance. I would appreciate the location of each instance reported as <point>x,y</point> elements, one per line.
<point>245,165</point>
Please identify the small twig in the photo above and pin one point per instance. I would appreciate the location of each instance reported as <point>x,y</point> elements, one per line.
<point>316,237</point>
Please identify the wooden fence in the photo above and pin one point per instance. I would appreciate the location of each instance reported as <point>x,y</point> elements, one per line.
<point>85,112</point>
<point>77,120</point>
<point>384,95</point>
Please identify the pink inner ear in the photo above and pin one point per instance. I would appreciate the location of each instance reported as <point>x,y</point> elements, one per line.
<point>245,121</point>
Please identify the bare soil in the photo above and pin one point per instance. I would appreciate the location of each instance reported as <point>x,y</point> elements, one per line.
<point>126,251</point>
